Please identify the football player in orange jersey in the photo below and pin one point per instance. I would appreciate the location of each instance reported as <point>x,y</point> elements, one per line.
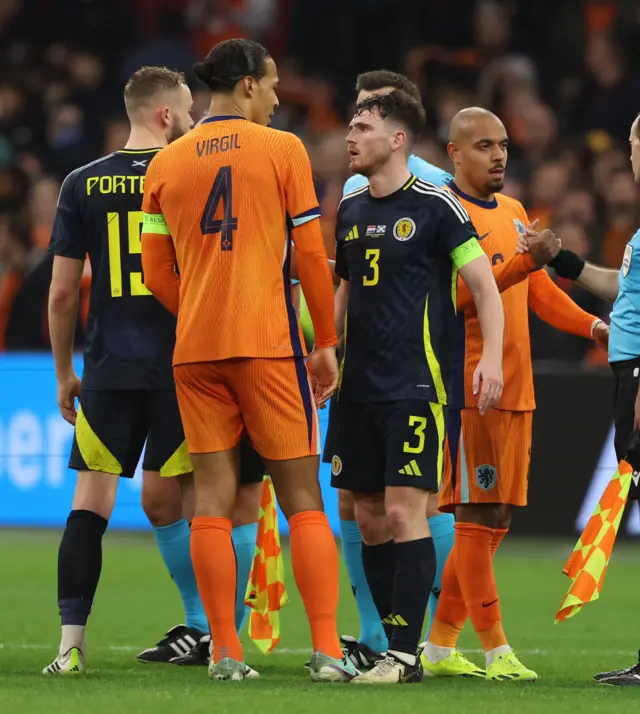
<point>224,204</point>
<point>487,458</point>
<point>128,395</point>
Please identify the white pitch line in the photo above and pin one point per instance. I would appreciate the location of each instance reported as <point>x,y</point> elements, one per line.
<point>306,651</point>
<point>125,648</point>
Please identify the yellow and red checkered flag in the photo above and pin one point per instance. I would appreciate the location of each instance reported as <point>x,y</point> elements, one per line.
<point>587,565</point>
<point>266,592</point>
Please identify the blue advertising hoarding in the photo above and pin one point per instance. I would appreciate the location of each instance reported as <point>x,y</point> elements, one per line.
<point>572,457</point>
<point>36,487</point>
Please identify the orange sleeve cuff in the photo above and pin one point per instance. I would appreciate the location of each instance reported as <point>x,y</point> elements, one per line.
<point>159,266</point>
<point>506,274</point>
<point>556,308</point>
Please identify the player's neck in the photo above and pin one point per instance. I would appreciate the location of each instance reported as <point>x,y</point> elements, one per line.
<point>226,106</point>
<point>467,188</point>
<point>389,179</point>
<point>144,137</point>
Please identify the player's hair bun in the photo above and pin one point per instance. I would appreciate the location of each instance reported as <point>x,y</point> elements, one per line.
<point>204,72</point>
<point>229,61</point>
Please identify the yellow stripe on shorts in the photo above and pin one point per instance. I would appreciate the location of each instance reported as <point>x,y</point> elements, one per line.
<point>178,463</point>
<point>94,453</point>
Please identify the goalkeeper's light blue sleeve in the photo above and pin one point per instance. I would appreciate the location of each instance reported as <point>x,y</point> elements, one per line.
<point>418,167</point>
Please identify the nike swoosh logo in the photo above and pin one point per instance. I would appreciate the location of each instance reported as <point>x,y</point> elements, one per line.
<point>488,604</point>
<point>484,236</point>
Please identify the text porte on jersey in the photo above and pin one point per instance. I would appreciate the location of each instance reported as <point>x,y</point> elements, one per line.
<point>115,184</point>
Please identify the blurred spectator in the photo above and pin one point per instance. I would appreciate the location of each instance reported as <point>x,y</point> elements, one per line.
<point>563,76</point>
<point>14,186</point>
<point>116,135</point>
<point>330,164</point>
<point>169,48</point>
<point>515,188</point>
<point>43,199</point>
<point>574,238</point>
<point>14,252</point>
<point>549,185</point>
<point>604,165</point>
<point>69,143</point>
<point>622,216</point>
<point>536,131</point>
<point>216,20</point>
<point>16,133</point>
<point>25,276</point>
<point>608,102</point>
<point>448,102</point>
<point>577,207</point>
<point>546,341</point>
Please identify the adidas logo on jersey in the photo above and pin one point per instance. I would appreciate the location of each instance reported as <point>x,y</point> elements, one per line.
<point>353,234</point>
<point>411,469</point>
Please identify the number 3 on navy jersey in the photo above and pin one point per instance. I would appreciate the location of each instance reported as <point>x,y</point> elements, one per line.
<point>221,191</point>
<point>373,256</point>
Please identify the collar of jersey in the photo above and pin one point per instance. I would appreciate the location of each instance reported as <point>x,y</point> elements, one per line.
<point>410,181</point>
<point>138,151</point>
<point>471,199</point>
<point>224,117</point>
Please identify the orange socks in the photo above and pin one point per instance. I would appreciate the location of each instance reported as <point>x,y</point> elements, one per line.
<point>474,568</point>
<point>469,570</point>
<point>214,565</point>
<point>496,538</point>
<point>315,567</point>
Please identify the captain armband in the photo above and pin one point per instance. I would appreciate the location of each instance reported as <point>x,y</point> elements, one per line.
<point>155,223</point>
<point>465,253</point>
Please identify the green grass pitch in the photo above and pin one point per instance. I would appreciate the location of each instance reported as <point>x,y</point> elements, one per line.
<point>137,602</point>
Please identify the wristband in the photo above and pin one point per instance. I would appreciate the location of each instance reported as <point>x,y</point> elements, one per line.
<point>567,265</point>
<point>595,324</point>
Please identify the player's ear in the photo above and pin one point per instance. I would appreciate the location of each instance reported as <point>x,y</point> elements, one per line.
<point>452,151</point>
<point>164,114</point>
<point>248,86</point>
<point>400,139</point>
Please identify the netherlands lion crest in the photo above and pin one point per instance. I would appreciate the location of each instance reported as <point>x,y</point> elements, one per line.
<point>486,477</point>
<point>404,229</point>
<point>520,227</point>
<point>336,465</point>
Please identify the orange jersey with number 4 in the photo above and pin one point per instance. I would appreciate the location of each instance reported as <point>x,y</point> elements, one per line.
<point>498,223</point>
<point>229,193</point>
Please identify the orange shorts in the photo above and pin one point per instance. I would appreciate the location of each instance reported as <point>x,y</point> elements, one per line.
<point>269,399</point>
<point>486,458</point>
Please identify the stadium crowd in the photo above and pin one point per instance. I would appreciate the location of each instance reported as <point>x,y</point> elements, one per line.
<point>567,100</point>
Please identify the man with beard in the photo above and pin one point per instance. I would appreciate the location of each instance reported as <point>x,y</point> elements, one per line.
<point>400,245</point>
<point>127,392</point>
<point>487,456</point>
